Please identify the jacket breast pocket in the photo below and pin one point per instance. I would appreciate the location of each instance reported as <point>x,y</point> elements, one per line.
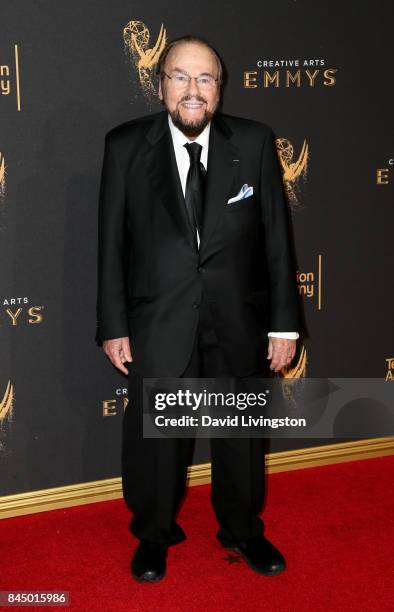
<point>243,205</point>
<point>242,219</point>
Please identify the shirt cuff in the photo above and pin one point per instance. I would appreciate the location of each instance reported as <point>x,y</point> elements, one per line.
<point>287,335</point>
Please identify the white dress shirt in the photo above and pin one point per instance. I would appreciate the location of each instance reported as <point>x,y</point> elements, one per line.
<point>183,162</point>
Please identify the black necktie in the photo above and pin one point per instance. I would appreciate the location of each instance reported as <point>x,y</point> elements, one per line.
<point>194,192</point>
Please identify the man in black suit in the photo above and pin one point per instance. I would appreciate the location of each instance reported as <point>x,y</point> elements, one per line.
<point>195,278</point>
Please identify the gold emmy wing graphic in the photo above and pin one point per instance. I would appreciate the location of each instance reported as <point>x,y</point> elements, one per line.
<point>2,175</point>
<point>6,404</point>
<point>299,370</point>
<point>291,378</point>
<point>292,170</point>
<point>136,41</point>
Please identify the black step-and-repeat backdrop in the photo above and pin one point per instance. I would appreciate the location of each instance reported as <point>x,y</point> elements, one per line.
<point>319,73</point>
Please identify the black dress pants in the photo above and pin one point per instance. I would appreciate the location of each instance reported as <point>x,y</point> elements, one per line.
<point>154,471</point>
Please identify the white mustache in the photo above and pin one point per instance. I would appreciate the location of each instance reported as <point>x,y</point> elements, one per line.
<point>193,101</point>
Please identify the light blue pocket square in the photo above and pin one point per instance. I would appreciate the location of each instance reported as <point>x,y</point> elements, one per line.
<point>243,193</point>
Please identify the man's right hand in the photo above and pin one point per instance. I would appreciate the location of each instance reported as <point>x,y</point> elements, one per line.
<point>118,351</point>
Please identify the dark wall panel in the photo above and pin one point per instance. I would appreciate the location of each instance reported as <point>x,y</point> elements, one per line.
<point>68,73</point>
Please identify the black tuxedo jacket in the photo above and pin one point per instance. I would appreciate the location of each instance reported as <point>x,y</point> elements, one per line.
<point>151,279</point>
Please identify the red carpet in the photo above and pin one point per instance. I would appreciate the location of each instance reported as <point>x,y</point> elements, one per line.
<point>334,524</point>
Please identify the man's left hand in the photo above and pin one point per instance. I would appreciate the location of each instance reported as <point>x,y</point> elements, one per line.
<point>281,351</point>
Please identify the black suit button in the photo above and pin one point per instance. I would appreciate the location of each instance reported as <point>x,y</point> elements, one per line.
<point>196,305</point>
<point>200,269</point>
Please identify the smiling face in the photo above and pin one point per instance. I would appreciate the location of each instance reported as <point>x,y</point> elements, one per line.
<point>191,106</point>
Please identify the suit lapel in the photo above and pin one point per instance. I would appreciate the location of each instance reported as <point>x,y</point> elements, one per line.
<point>162,169</point>
<point>163,172</point>
<point>220,175</point>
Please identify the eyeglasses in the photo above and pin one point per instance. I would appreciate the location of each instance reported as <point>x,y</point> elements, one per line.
<point>182,80</point>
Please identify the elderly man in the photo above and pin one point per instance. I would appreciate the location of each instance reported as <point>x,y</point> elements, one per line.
<point>195,279</point>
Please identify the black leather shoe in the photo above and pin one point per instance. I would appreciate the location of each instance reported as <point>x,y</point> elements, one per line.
<point>149,561</point>
<point>260,555</point>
